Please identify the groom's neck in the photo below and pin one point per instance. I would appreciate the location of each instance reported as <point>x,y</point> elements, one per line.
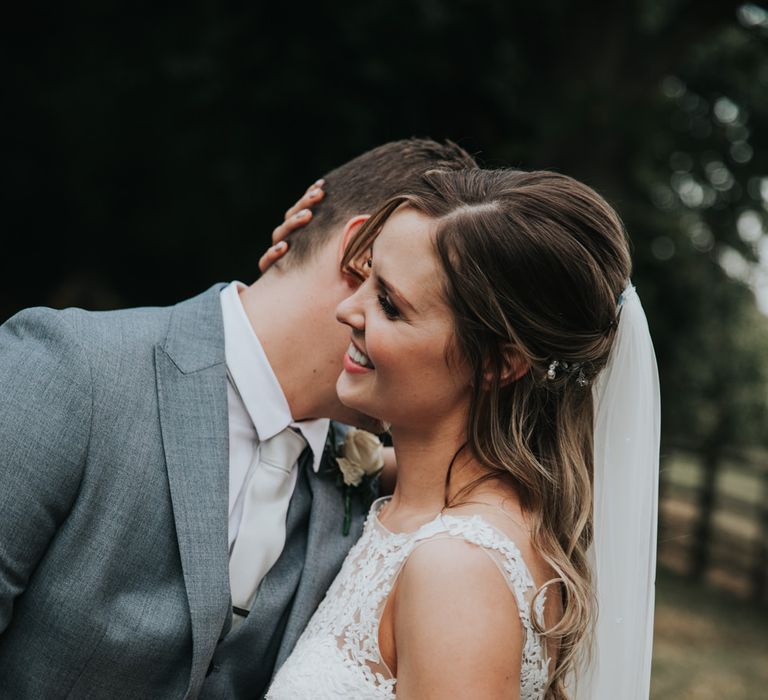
<point>293,318</point>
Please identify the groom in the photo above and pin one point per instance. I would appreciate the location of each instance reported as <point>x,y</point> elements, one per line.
<point>169,519</point>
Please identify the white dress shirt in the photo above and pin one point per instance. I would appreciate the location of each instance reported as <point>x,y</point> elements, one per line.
<point>258,409</point>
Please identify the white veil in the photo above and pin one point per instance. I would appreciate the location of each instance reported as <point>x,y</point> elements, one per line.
<point>623,553</point>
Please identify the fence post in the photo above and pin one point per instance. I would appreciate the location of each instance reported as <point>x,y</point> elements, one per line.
<point>760,571</point>
<point>703,533</point>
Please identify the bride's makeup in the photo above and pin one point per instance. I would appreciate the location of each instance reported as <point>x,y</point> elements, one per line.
<point>396,367</point>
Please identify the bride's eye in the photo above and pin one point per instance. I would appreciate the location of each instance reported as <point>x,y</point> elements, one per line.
<point>389,309</point>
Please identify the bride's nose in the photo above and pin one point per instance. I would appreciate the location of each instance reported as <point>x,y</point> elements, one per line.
<point>350,311</point>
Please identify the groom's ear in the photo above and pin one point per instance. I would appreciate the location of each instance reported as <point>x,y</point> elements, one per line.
<point>350,229</point>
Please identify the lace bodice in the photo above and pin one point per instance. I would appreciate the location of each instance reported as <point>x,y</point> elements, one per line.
<point>338,656</point>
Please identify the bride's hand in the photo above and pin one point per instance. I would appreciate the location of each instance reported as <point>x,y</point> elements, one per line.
<point>297,216</point>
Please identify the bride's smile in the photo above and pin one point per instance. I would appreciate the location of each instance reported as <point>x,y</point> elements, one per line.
<point>355,361</point>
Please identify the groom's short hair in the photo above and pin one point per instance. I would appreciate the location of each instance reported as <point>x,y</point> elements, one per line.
<point>362,184</point>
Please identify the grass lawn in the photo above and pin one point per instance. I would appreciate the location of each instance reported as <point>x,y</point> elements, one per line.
<point>707,645</point>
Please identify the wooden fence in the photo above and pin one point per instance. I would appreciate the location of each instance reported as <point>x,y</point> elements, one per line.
<point>713,518</point>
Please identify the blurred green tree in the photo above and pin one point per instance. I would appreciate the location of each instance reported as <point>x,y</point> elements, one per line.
<point>178,135</point>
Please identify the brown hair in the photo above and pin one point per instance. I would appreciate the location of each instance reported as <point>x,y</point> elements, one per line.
<point>533,265</point>
<point>362,184</point>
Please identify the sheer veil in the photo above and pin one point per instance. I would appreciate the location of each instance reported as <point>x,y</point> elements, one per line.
<point>623,553</point>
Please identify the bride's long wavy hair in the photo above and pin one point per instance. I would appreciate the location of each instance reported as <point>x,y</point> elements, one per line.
<point>533,265</point>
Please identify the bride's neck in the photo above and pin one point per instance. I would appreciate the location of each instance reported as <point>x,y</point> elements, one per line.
<point>423,459</point>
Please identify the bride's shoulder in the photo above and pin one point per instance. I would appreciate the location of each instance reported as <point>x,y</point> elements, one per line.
<point>504,523</point>
<point>444,566</point>
<point>455,617</point>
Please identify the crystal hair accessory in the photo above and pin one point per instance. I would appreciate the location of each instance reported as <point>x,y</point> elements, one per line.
<point>559,368</point>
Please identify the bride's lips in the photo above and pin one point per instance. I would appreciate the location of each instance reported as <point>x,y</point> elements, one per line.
<point>353,358</point>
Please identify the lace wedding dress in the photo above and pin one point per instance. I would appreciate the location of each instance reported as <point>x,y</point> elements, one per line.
<point>338,656</point>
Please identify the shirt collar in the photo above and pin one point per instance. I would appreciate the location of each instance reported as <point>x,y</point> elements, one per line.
<point>255,380</point>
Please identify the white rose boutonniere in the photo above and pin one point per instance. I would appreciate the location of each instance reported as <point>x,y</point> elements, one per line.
<point>362,455</point>
<point>359,459</point>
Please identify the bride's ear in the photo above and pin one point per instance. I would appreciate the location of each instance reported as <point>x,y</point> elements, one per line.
<point>514,365</point>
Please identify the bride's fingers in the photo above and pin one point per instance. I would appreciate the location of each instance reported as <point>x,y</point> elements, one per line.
<point>272,255</point>
<point>311,197</point>
<point>297,216</point>
<point>297,220</point>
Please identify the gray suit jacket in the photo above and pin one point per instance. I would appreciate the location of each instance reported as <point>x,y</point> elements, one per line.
<point>113,513</point>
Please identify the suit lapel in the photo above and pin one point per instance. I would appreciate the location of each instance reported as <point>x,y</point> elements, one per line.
<point>192,395</point>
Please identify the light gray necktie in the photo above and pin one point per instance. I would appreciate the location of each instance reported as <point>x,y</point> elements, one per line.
<point>261,536</point>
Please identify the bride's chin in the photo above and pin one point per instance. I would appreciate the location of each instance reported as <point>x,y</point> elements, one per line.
<point>362,417</point>
<point>359,404</point>
<point>354,403</point>
<point>348,393</point>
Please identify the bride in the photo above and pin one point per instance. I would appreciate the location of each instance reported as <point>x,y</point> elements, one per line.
<point>497,332</point>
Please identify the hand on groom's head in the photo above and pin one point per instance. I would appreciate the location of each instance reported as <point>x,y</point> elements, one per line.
<point>300,214</point>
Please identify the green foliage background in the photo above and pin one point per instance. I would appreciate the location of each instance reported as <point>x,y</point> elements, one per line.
<point>149,149</point>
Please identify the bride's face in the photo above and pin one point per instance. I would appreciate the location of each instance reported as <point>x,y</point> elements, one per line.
<point>396,367</point>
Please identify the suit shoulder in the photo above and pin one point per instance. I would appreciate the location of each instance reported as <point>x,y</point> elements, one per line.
<point>45,376</point>
<point>121,329</point>
<point>39,331</point>
<point>89,327</point>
